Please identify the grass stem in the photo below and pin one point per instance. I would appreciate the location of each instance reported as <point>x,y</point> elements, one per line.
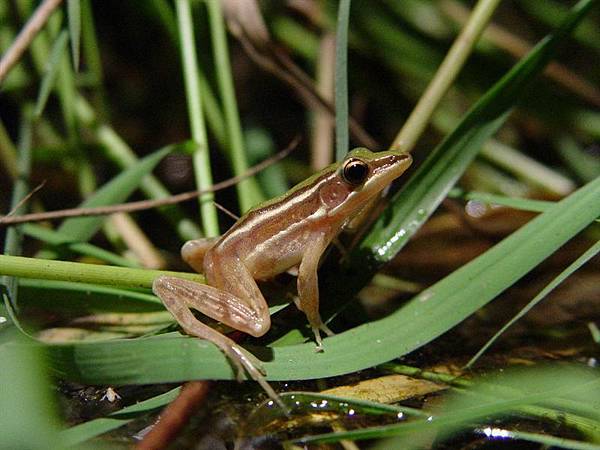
<point>341,81</point>
<point>445,76</point>
<point>201,156</point>
<point>249,193</point>
<point>42,269</point>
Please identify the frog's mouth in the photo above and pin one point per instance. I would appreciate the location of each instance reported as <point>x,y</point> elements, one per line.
<point>385,169</point>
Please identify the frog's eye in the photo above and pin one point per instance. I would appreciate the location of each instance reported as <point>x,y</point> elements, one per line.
<point>355,172</point>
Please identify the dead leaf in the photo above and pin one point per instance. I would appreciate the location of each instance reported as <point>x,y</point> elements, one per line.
<point>387,389</point>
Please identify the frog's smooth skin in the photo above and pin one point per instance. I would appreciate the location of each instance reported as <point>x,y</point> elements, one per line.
<point>291,230</point>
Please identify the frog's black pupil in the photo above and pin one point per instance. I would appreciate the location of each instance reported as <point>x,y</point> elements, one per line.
<point>356,172</point>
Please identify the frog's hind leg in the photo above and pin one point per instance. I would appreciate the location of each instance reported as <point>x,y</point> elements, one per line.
<point>193,252</point>
<point>180,295</point>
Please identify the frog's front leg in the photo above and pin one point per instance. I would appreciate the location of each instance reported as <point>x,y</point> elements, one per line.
<point>243,308</point>
<point>308,287</point>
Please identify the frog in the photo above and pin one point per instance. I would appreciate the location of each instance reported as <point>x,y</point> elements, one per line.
<point>290,231</point>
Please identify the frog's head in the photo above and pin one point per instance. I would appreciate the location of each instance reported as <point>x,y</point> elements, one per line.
<point>360,176</point>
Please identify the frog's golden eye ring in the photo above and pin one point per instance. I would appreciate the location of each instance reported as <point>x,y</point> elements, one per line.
<point>355,172</point>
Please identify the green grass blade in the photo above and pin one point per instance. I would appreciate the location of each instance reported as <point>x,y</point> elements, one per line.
<point>550,13</point>
<point>584,258</point>
<point>115,191</point>
<point>28,416</point>
<point>86,273</point>
<point>74,12</point>
<point>425,317</point>
<point>445,76</point>
<point>13,239</point>
<point>419,198</point>
<point>594,331</point>
<point>88,430</point>
<point>515,391</point>
<point>524,204</point>
<point>91,298</point>
<point>52,68</point>
<point>55,238</point>
<point>341,81</point>
<point>118,151</point>
<point>162,11</point>
<point>249,193</point>
<point>585,165</point>
<point>549,441</point>
<point>200,155</point>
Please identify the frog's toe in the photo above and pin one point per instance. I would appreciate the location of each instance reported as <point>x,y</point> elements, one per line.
<point>239,370</point>
<point>255,369</point>
<point>246,360</point>
<point>318,340</point>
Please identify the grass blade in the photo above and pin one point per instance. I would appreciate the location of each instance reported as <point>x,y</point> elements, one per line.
<point>200,155</point>
<point>74,12</point>
<point>52,68</point>
<point>88,430</point>
<point>57,239</point>
<point>85,273</point>
<point>550,441</point>
<point>585,165</point>
<point>446,74</point>
<point>28,417</point>
<point>13,240</point>
<point>341,81</point>
<point>248,191</point>
<point>425,317</point>
<point>584,258</point>
<point>413,204</point>
<point>523,204</point>
<point>515,391</point>
<point>91,298</point>
<point>115,191</point>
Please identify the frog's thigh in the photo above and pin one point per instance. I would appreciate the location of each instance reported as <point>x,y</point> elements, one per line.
<point>193,252</point>
<point>180,295</point>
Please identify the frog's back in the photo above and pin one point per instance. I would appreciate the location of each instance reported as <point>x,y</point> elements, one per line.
<point>271,237</point>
